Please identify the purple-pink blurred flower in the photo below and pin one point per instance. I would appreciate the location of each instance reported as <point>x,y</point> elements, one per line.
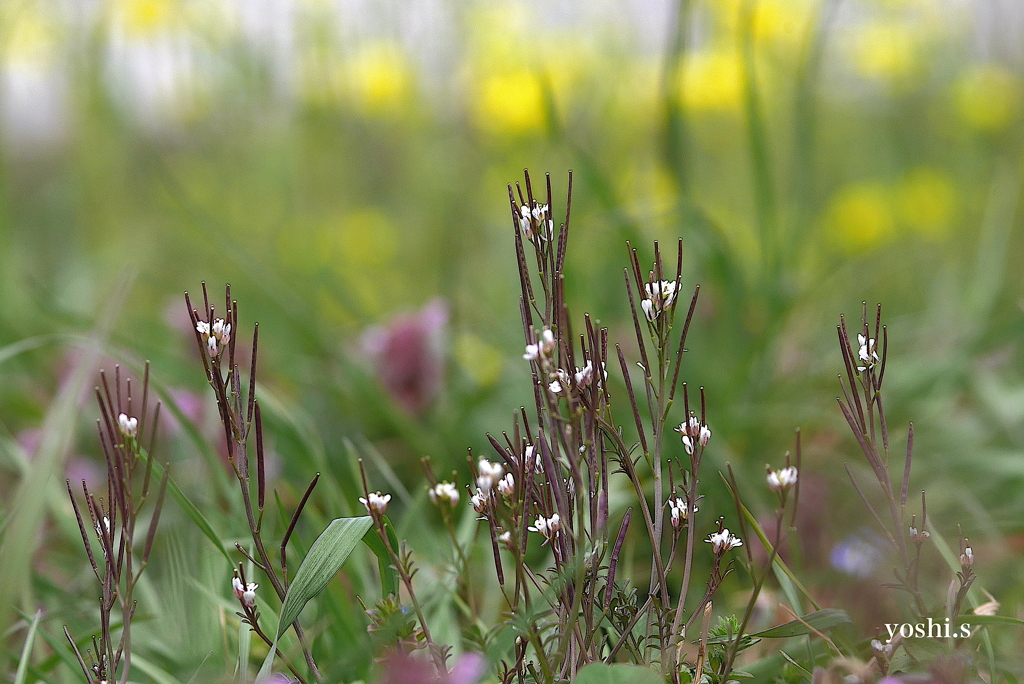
<point>401,668</point>
<point>408,355</point>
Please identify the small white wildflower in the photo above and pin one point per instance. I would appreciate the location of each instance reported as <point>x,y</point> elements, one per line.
<point>129,426</point>
<point>967,557</point>
<point>507,486</point>
<point>583,375</point>
<point>542,348</point>
<point>375,502</point>
<point>506,539</point>
<point>103,525</point>
<point>694,432</point>
<point>479,501</point>
<point>678,511</point>
<point>215,336</point>
<point>919,537</point>
<point>882,650</point>
<point>555,387</point>
<point>249,595</point>
<point>548,527</point>
<point>782,480</point>
<point>239,588</point>
<point>444,493</point>
<point>531,458</point>
<point>723,541</point>
<point>868,354</point>
<point>488,474</point>
<point>659,296</point>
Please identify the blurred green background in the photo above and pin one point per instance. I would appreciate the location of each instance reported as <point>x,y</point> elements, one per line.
<point>343,165</point>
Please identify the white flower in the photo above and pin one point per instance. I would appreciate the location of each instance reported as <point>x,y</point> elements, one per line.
<point>723,541</point>
<point>479,501</point>
<point>543,348</point>
<point>246,593</point>
<point>129,426</point>
<point>506,539</point>
<point>488,474</point>
<point>531,459</point>
<point>781,480</point>
<point>444,493</point>
<point>659,296</point>
<point>868,354</point>
<point>215,336</point>
<point>507,486</point>
<point>105,522</point>
<point>678,511</point>
<point>375,503</point>
<point>548,527</point>
<point>694,432</point>
<point>535,216</point>
<point>880,649</point>
<point>249,596</point>
<point>967,557</point>
<point>555,387</point>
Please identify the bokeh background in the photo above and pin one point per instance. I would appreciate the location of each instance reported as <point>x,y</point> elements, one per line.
<point>343,165</point>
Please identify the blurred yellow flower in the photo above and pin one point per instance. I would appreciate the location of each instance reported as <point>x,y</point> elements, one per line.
<point>511,102</point>
<point>987,97</point>
<point>713,81</point>
<point>380,78</point>
<point>926,201</point>
<point>778,22</point>
<point>886,49</point>
<point>144,17</point>
<point>860,216</point>
<point>29,36</point>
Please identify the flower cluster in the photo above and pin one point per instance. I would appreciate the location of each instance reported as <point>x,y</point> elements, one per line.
<point>246,593</point>
<point>678,511</point>
<point>533,218</point>
<point>375,502</point>
<point>444,493</point>
<point>543,348</point>
<point>782,480</point>
<point>548,527</point>
<point>723,541</point>
<point>129,426</point>
<point>868,353</point>
<point>659,296</point>
<point>488,474</point>
<point>694,432</point>
<point>216,336</point>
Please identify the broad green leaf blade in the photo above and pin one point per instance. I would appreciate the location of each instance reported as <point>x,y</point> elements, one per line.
<point>328,553</point>
<point>600,673</point>
<point>388,574</point>
<point>816,621</point>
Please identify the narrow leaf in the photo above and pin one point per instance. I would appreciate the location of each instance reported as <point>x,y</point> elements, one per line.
<point>328,553</point>
<point>818,621</point>
<point>26,651</point>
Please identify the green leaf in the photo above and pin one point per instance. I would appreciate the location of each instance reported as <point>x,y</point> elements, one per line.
<point>599,673</point>
<point>388,574</point>
<point>989,620</point>
<point>26,651</point>
<point>328,553</point>
<point>818,621</point>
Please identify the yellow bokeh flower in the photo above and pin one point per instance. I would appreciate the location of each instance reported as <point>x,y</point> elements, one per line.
<point>713,80</point>
<point>859,216</point>
<point>887,49</point>
<point>987,97</point>
<point>145,17</point>
<point>509,101</point>
<point>926,201</point>
<point>380,78</point>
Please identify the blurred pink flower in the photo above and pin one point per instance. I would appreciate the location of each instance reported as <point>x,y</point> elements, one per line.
<point>401,668</point>
<point>408,355</point>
